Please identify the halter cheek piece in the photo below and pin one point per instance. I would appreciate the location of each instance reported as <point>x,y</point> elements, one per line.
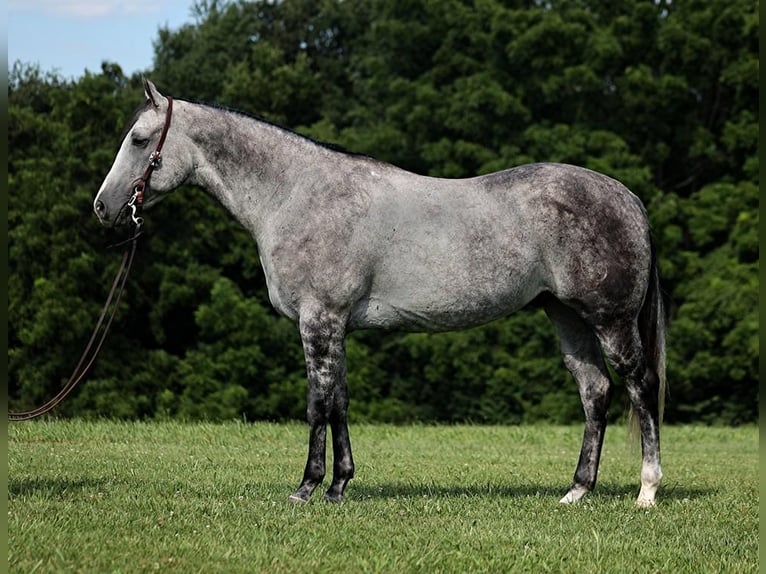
<point>141,184</point>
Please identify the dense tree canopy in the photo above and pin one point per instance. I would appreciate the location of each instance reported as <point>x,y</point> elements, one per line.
<point>661,95</point>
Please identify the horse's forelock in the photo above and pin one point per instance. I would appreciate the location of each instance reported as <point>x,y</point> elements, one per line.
<point>133,119</point>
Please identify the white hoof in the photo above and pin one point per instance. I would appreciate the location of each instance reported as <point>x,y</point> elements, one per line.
<point>575,493</point>
<point>645,503</point>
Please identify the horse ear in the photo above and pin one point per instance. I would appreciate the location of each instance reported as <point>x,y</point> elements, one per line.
<point>152,94</point>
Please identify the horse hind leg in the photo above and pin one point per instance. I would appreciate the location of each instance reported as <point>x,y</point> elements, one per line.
<point>623,347</point>
<point>582,356</point>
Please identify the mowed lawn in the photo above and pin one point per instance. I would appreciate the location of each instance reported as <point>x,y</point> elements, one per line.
<point>145,497</point>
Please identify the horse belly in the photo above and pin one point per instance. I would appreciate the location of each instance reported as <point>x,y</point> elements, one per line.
<point>441,298</point>
<point>447,261</point>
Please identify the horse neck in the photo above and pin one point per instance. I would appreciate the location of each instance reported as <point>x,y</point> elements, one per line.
<point>248,165</point>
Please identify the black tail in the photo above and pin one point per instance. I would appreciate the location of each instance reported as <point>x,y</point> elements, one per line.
<point>652,326</point>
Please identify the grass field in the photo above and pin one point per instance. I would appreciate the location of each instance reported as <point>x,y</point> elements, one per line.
<point>144,497</point>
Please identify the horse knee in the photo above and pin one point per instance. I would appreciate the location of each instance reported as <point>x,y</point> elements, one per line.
<point>316,413</point>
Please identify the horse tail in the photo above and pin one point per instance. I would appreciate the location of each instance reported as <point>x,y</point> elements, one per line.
<point>652,324</point>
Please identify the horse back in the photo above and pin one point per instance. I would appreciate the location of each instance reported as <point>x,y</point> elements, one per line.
<point>454,253</point>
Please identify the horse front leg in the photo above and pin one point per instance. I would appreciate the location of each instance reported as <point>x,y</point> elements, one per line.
<point>323,336</point>
<point>343,460</point>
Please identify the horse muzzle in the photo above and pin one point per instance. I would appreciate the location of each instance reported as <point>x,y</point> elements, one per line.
<point>100,209</point>
<point>115,216</point>
<point>109,217</point>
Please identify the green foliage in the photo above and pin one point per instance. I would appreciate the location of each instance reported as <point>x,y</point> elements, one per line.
<point>660,95</point>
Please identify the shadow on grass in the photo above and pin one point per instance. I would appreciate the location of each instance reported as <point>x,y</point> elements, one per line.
<point>52,486</point>
<point>604,490</point>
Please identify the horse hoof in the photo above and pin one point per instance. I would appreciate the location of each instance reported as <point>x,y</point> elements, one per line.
<point>334,498</point>
<point>643,503</point>
<point>575,494</point>
<point>298,499</point>
<point>567,499</point>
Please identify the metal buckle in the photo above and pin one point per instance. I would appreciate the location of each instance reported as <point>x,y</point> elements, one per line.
<point>155,159</point>
<point>137,220</point>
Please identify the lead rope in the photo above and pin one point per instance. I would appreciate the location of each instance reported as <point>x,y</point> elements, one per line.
<point>113,300</point>
<point>108,312</point>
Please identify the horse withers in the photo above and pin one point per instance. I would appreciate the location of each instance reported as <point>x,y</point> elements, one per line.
<point>348,242</point>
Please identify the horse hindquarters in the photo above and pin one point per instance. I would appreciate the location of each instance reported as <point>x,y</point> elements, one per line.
<point>633,341</point>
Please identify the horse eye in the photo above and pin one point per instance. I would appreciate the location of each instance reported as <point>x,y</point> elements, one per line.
<point>139,142</point>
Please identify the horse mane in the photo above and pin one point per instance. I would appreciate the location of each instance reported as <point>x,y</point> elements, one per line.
<point>326,145</point>
<point>256,117</point>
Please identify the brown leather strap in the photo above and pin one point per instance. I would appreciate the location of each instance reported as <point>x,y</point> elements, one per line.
<point>140,184</point>
<point>89,354</point>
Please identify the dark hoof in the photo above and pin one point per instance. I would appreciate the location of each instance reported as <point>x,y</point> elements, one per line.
<point>333,497</point>
<point>302,495</point>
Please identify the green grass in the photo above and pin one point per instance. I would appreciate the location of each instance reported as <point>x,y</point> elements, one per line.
<point>144,497</point>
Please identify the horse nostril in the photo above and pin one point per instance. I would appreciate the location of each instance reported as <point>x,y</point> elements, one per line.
<point>100,207</point>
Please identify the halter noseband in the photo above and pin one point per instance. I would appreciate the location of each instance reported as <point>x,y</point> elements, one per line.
<point>141,184</point>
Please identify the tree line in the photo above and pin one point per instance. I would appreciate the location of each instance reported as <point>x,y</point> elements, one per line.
<point>661,95</point>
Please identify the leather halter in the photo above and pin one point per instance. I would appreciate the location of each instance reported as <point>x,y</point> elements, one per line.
<point>141,184</point>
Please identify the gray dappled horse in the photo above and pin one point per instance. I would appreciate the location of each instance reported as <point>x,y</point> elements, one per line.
<point>348,242</point>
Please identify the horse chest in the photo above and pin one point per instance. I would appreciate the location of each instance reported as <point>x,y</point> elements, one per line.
<point>282,298</point>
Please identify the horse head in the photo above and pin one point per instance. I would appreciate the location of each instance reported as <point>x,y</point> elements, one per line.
<point>152,148</point>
